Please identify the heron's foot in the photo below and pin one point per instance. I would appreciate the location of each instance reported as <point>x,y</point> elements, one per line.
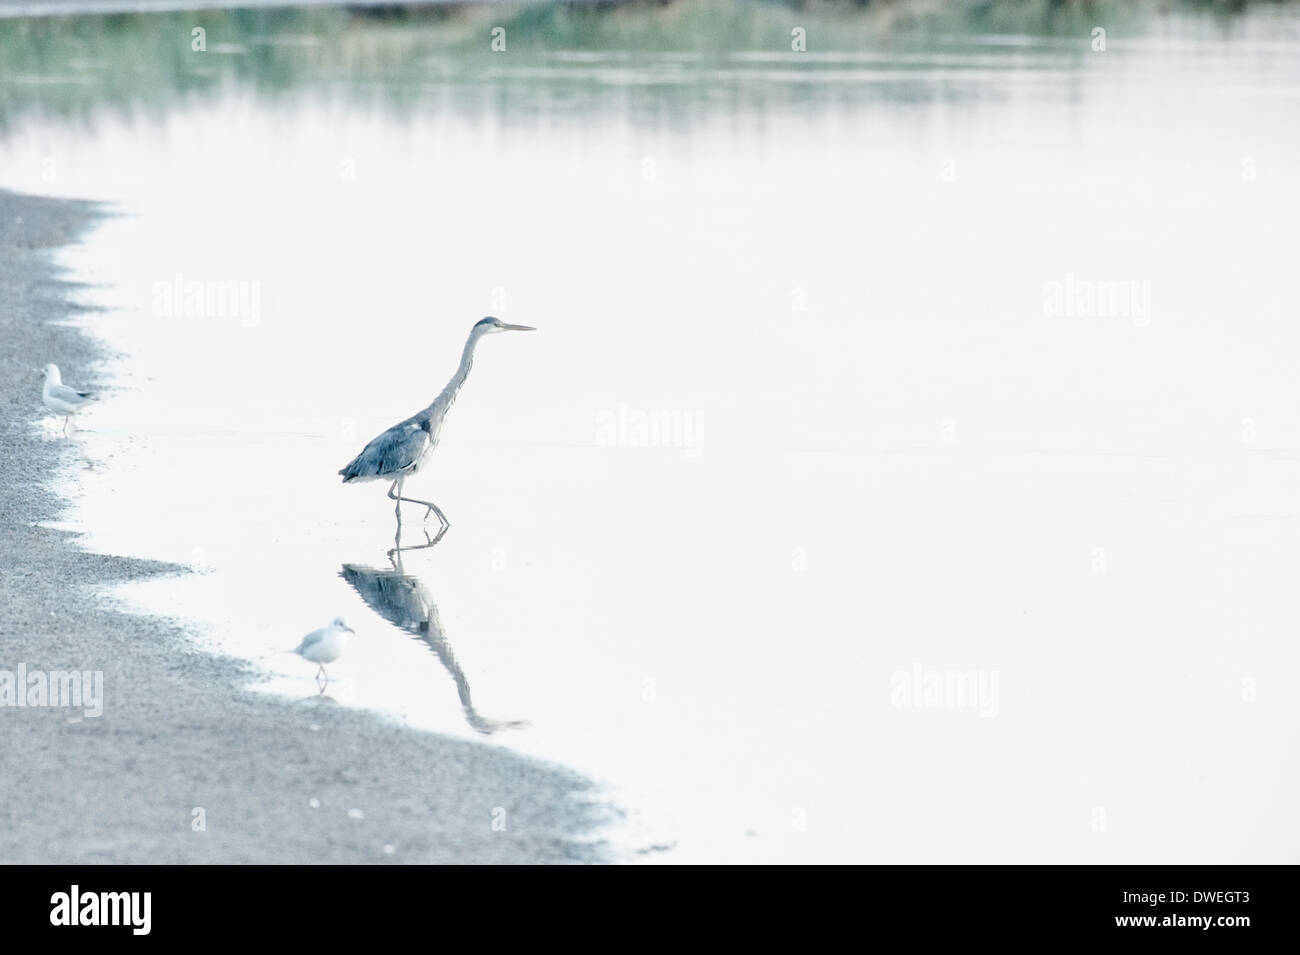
<point>430,508</point>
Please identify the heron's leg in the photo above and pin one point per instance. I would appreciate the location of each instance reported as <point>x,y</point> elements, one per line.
<point>398,498</point>
<point>432,509</point>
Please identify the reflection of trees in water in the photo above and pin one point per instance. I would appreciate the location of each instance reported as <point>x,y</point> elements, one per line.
<point>659,66</point>
<point>404,601</point>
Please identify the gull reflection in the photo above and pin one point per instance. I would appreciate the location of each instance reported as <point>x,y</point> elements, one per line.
<point>404,601</point>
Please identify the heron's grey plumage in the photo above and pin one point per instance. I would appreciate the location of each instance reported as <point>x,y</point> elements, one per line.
<point>398,453</point>
<point>395,452</point>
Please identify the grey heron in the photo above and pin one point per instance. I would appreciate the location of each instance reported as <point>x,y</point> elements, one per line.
<point>59,397</point>
<point>402,450</point>
<point>324,646</point>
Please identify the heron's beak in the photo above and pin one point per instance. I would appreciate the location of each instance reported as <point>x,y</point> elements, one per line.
<point>517,328</point>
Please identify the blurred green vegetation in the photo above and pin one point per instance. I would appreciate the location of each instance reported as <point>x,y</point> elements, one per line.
<point>71,65</point>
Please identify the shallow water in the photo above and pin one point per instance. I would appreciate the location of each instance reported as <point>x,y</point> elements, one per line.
<point>937,354</point>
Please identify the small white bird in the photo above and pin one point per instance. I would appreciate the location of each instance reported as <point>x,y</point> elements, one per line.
<point>59,397</point>
<point>324,646</point>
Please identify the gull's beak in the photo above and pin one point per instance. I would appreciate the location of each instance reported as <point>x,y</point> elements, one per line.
<point>517,328</point>
<point>349,630</point>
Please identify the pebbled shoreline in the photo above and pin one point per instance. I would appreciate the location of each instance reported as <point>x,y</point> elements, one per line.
<point>178,732</point>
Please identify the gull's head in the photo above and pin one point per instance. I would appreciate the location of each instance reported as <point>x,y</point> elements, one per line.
<point>490,326</point>
<point>338,623</point>
<point>51,373</point>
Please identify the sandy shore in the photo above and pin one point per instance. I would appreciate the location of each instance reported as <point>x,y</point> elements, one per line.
<point>276,782</point>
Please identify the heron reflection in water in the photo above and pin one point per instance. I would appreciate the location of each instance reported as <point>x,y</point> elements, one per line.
<point>404,601</point>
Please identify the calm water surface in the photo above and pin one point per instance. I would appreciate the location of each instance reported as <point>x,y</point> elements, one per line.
<point>830,398</point>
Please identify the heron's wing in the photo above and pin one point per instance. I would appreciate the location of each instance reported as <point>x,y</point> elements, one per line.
<point>68,395</point>
<point>393,452</point>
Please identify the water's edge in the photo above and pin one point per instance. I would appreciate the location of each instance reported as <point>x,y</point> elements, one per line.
<point>184,766</point>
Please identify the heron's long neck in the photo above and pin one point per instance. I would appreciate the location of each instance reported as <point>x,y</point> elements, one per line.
<point>448,395</point>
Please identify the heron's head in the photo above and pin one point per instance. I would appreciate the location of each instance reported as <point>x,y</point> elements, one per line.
<point>340,624</point>
<point>490,326</point>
